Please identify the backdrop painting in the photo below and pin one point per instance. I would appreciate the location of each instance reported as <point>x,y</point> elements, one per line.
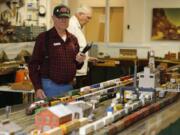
<point>166,24</point>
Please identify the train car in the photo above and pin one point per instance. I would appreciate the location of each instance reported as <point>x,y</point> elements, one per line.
<point>145,111</point>
<point>151,109</point>
<point>74,92</point>
<point>101,132</point>
<point>128,109</point>
<point>111,130</point>
<point>70,126</point>
<point>35,105</point>
<point>118,115</point>
<point>108,84</point>
<point>130,119</point>
<point>54,131</point>
<point>134,106</point>
<point>107,120</point>
<point>134,117</point>
<point>80,98</point>
<point>95,85</point>
<point>156,106</point>
<point>139,115</point>
<point>125,78</point>
<point>54,102</point>
<point>98,124</point>
<point>127,121</point>
<point>119,125</point>
<point>161,104</point>
<point>166,101</point>
<point>103,97</point>
<point>87,129</point>
<point>74,97</point>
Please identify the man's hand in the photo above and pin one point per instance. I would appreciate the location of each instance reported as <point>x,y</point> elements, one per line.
<point>93,60</point>
<point>40,94</point>
<point>80,57</point>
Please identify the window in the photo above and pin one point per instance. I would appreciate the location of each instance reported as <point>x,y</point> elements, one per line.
<point>47,119</point>
<point>54,120</point>
<point>76,115</point>
<point>39,119</point>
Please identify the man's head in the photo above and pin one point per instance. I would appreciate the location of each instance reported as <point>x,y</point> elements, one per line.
<point>61,14</point>
<point>84,14</point>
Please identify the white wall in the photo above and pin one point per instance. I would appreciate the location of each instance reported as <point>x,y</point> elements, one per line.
<point>100,3</point>
<point>134,10</point>
<point>138,14</point>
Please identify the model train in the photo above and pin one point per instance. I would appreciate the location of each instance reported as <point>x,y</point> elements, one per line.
<point>106,87</point>
<point>117,121</point>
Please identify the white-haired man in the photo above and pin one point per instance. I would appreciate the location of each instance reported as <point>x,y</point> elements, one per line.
<point>77,22</point>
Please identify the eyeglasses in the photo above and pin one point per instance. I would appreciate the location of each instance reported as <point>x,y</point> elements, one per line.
<point>89,17</point>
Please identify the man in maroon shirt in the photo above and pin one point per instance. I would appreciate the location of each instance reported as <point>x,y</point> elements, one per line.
<point>55,57</point>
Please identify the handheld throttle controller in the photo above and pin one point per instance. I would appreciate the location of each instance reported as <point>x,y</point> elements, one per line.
<point>87,48</point>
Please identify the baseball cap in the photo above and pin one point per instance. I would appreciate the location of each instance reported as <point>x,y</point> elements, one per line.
<point>61,11</point>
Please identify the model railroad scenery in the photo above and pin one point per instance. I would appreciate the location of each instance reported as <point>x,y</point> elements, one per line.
<point>108,107</point>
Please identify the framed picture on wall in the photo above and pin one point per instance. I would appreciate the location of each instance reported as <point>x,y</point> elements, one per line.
<point>166,24</point>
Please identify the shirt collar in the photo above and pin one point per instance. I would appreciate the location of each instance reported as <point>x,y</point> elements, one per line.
<point>55,34</point>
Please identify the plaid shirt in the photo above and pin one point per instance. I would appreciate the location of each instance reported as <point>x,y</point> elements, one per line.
<point>61,62</point>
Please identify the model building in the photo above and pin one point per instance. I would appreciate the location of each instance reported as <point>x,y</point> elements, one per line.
<point>52,117</point>
<point>80,109</point>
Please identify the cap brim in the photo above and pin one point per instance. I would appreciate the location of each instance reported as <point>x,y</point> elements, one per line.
<point>63,15</point>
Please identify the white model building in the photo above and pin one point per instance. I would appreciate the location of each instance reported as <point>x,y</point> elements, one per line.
<point>80,109</point>
<point>147,79</point>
